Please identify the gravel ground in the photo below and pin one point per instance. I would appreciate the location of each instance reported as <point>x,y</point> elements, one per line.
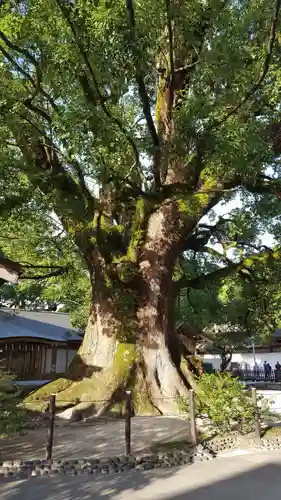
<point>104,438</point>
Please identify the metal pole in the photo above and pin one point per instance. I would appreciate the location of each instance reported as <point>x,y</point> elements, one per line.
<point>50,439</point>
<point>192,416</point>
<point>254,353</point>
<point>128,417</point>
<point>256,410</point>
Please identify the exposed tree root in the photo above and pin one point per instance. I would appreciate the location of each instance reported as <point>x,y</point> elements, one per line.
<point>156,384</point>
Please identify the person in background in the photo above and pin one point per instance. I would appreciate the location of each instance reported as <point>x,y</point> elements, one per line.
<point>269,368</point>
<point>266,369</point>
<point>277,372</point>
<point>256,370</point>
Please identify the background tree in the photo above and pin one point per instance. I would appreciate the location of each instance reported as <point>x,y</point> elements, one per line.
<point>131,121</point>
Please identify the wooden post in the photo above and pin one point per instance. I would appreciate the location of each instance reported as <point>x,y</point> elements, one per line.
<point>128,417</point>
<point>24,362</point>
<point>45,362</point>
<point>10,359</point>
<point>49,448</point>
<point>192,417</point>
<point>256,410</point>
<point>66,358</point>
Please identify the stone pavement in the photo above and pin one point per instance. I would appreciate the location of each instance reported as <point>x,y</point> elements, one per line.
<point>245,477</point>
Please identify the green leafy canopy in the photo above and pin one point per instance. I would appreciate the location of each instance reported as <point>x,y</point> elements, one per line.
<point>112,111</point>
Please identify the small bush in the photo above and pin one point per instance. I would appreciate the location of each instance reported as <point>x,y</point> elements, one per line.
<point>12,416</point>
<point>227,403</point>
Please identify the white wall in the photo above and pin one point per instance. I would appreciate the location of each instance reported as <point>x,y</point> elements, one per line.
<point>47,367</point>
<point>274,399</point>
<point>245,358</point>
<point>61,360</point>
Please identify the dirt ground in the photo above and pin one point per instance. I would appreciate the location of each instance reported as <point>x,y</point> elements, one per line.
<point>95,439</point>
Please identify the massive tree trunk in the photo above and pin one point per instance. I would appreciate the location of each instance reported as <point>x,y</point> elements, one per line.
<point>130,340</point>
<point>117,353</point>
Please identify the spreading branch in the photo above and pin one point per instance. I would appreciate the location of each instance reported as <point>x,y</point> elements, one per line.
<point>66,12</point>
<point>140,81</point>
<point>36,83</point>
<point>33,266</point>
<point>264,70</point>
<point>54,174</point>
<point>263,185</point>
<point>51,274</point>
<point>171,41</point>
<point>144,96</point>
<point>204,279</point>
<point>17,66</point>
<point>37,110</point>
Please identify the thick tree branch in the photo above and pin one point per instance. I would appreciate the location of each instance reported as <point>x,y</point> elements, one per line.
<point>33,266</point>
<point>39,111</point>
<point>264,70</point>
<point>53,159</point>
<point>171,41</point>
<point>139,78</point>
<point>17,66</point>
<point>51,274</point>
<point>49,174</point>
<point>36,83</point>
<point>144,97</point>
<point>66,12</point>
<point>18,49</point>
<point>204,279</point>
<point>14,201</point>
<point>263,185</point>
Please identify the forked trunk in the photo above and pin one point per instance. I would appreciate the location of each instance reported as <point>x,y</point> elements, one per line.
<point>136,352</point>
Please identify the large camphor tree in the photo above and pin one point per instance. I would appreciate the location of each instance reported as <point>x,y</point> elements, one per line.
<point>131,121</point>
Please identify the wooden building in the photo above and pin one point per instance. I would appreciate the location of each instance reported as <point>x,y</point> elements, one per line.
<point>36,345</point>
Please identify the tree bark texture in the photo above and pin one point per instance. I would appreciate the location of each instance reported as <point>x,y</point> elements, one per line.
<point>133,348</point>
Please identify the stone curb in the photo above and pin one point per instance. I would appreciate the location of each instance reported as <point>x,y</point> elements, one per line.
<point>24,469</point>
<point>271,444</point>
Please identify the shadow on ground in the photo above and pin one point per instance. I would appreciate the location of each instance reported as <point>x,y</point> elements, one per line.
<point>99,438</point>
<point>248,477</point>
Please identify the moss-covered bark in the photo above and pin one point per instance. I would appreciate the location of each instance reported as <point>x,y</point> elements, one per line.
<point>115,357</point>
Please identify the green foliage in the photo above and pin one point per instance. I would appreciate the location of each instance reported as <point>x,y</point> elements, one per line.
<point>77,159</point>
<point>234,308</point>
<point>33,237</point>
<point>12,416</point>
<point>227,403</point>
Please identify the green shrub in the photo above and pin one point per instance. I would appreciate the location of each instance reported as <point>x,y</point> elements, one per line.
<point>227,403</point>
<point>12,415</point>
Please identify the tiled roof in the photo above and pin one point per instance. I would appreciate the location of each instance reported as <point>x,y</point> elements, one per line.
<point>38,324</point>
